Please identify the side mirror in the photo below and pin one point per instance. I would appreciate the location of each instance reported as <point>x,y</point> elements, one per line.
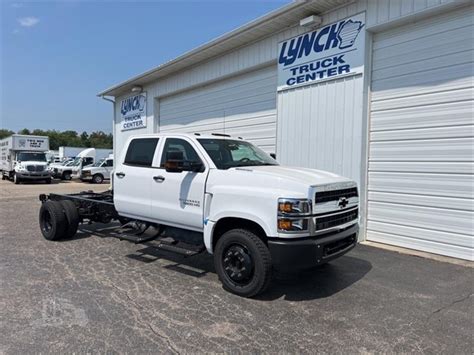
<point>174,162</point>
<point>273,155</point>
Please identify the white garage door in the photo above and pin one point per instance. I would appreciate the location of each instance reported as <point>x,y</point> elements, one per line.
<point>420,186</point>
<point>243,106</point>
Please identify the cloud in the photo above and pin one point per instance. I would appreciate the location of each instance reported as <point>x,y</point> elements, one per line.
<point>29,21</point>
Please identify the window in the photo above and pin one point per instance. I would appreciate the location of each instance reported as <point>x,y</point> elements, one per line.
<point>87,161</point>
<point>140,152</point>
<point>227,153</point>
<point>109,163</point>
<point>176,144</point>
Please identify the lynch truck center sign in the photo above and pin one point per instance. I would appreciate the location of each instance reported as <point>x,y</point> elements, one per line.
<point>326,53</point>
<point>133,112</point>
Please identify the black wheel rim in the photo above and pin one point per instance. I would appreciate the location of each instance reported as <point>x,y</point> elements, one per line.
<point>238,264</point>
<point>47,223</point>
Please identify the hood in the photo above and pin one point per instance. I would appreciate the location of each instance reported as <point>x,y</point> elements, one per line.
<point>309,177</point>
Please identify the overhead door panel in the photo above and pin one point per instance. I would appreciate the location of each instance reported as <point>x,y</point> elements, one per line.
<point>420,181</point>
<point>243,106</point>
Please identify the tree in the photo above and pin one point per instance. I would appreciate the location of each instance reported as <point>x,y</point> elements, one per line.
<point>24,131</point>
<point>4,133</point>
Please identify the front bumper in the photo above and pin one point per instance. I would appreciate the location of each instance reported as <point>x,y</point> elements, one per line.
<point>34,176</point>
<point>307,252</point>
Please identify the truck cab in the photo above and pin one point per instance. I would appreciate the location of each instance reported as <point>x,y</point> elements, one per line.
<point>216,184</point>
<point>98,172</point>
<point>74,169</point>
<point>226,195</point>
<point>30,166</point>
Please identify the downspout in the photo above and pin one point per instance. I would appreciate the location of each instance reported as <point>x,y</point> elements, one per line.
<point>113,138</point>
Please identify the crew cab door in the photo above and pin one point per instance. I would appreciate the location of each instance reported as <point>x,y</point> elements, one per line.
<point>178,197</point>
<point>134,177</point>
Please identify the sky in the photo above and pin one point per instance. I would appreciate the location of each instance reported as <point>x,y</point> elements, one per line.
<point>55,56</point>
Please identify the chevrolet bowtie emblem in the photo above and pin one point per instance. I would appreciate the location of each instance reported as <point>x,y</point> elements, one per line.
<point>343,202</point>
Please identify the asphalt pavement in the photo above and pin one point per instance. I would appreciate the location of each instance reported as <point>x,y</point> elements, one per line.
<point>96,294</point>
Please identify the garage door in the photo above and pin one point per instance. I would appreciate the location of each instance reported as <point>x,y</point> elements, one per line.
<point>243,106</point>
<point>420,182</point>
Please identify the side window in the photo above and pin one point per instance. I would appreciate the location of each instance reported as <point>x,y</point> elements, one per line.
<point>109,163</point>
<point>87,161</point>
<point>140,152</point>
<point>177,144</point>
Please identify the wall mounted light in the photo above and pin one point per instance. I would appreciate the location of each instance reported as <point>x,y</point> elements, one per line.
<point>137,89</point>
<point>311,21</point>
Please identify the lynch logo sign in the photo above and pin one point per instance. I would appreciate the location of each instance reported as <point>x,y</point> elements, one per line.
<point>133,112</point>
<point>328,52</point>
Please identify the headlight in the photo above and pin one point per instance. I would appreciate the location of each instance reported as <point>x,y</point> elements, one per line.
<point>293,215</point>
<point>293,206</point>
<point>21,168</point>
<point>292,225</point>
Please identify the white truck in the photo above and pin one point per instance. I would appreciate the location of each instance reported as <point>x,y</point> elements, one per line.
<point>23,157</point>
<point>99,171</point>
<point>192,193</point>
<point>84,158</point>
<point>72,152</point>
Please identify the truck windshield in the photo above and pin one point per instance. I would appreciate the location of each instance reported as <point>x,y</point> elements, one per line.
<point>98,163</point>
<point>31,156</point>
<point>227,153</point>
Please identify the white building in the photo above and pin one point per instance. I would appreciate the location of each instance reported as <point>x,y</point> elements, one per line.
<point>380,91</point>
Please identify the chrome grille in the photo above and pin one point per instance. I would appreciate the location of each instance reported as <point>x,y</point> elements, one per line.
<point>336,219</point>
<point>35,168</point>
<point>335,195</point>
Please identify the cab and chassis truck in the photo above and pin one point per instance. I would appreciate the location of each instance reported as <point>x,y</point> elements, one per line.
<point>191,193</point>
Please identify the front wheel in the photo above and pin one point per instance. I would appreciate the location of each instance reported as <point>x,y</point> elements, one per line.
<point>243,263</point>
<point>67,176</point>
<point>16,179</point>
<point>98,179</point>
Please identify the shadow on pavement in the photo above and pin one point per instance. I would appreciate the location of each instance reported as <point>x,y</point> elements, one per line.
<point>316,283</point>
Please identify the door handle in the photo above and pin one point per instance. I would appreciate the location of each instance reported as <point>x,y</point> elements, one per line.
<point>159,178</point>
<point>120,175</point>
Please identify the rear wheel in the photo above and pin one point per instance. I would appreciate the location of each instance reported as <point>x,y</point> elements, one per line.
<point>98,179</point>
<point>72,217</point>
<point>243,263</point>
<point>67,175</point>
<point>52,220</point>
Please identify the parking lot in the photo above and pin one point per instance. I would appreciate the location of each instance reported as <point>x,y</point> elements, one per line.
<point>95,293</point>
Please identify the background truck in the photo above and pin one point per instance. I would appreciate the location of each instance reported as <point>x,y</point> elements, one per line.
<point>84,158</point>
<point>188,193</point>
<point>99,171</point>
<point>23,157</point>
<point>73,152</point>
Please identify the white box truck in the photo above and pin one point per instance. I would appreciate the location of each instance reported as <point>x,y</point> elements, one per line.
<point>23,157</point>
<point>196,193</point>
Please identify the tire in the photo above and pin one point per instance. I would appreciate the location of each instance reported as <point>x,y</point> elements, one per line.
<point>98,179</point>
<point>72,217</point>
<point>66,176</point>
<point>16,179</point>
<point>237,252</point>
<point>52,220</point>
<point>48,181</point>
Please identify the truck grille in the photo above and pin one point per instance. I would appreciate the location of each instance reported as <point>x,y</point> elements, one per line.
<point>336,219</point>
<point>334,195</point>
<point>35,168</point>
